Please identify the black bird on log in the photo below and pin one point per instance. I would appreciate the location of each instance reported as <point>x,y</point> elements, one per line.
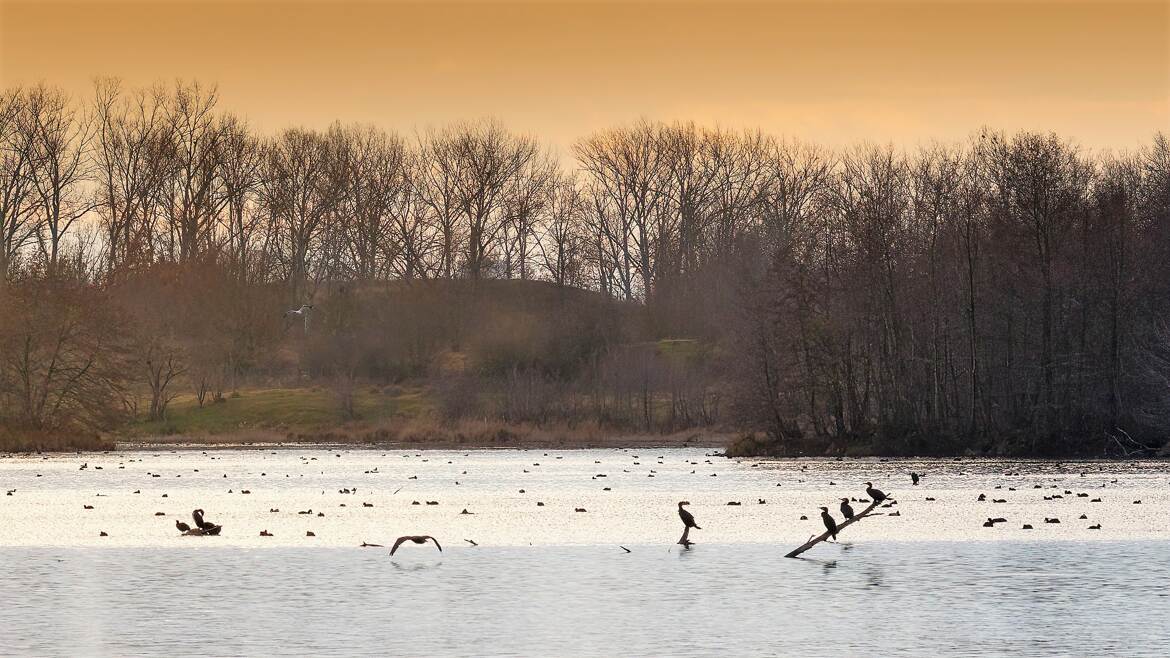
<point>876,495</point>
<point>846,510</point>
<point>830,524</point>
<point>183,527</point>
<point>688,520</point>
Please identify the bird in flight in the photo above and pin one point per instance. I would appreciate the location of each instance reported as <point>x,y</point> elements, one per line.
<point>303,312</point>
<point>418,539</point>
<point>299,312</point>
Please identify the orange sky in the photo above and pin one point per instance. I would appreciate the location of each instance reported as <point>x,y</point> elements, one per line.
<point>834,72</point>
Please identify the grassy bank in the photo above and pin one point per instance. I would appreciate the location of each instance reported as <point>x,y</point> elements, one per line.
<point>278,410</point>
<point>383,416</point>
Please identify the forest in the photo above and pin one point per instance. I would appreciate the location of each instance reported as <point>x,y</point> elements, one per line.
<point>1008,295</point>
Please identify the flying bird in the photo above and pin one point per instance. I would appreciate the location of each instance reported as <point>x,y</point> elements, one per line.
<point>305,309</point>
<point>418,539</point>
<point>303,312</point>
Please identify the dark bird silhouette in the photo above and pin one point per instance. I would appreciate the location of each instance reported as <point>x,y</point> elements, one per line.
<point>183,527</point>
<point>846,510</point>
<point>876,495</point>
<point>418,539</point>
<point>830,524</point>
<point>688,520</point>
<point>914,478</point>
<point>207,527</point>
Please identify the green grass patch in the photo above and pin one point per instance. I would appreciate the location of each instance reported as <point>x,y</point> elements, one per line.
<point>680,349</point>
<point>279,408</point>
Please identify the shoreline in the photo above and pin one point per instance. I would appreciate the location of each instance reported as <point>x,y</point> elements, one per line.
<point>507,441</point>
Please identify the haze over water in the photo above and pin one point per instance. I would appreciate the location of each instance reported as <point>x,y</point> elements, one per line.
<point>546,580</point>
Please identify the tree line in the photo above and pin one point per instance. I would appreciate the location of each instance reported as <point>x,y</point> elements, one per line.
<point>1004,293</point>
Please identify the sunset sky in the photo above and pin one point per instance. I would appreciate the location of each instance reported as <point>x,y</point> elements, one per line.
<point>834,72</point>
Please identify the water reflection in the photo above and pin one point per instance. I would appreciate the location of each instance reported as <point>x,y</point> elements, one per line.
<point>934,598</point>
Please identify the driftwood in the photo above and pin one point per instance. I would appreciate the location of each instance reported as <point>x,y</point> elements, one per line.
<point>814,540</point>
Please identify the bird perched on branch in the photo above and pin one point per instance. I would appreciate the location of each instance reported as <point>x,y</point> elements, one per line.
<point>876,495</point>
<point>688,520</point>
<point>846,509</point>
<point>418,539</point>
<point>830,523</point>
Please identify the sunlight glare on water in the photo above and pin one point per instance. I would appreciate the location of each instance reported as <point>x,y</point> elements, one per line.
<point>545,580</point>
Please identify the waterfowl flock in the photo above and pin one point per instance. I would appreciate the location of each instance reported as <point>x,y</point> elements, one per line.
<point>441,487</point>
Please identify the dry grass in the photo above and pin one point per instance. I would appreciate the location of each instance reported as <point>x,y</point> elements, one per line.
<point>12,441</point>
<point>427,432</point>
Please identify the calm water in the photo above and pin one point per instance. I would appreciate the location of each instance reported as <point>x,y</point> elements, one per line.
<point>546,580</point>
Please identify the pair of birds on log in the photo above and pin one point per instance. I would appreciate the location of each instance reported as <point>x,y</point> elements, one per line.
<point>202,527</point>
<point>847,511</point>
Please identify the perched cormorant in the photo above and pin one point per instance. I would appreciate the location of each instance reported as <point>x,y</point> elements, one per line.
<point>846,510</point>
<point>877,496</point>
<point>418,539</point>
<point>688,522</point>
<point>830,524</point>
<point>183,527</point>
<point>914,478</point>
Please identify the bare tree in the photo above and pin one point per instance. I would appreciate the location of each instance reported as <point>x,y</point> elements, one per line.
<point>302,190</point>
<point>624,167</point>
<point>18,225</point>
<point>131,143</point>
<point>560,240</point>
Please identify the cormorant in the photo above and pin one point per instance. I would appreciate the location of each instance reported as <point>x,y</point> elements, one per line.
<point>688,522</point>
<point>183,527</point>
<point>877,496</point>
<point>418,539</point>
<point>830,524</point>
<point>914,478</point>
<point>846,510</point>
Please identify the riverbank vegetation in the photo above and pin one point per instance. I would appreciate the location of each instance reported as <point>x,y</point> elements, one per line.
<point>1006,295</point>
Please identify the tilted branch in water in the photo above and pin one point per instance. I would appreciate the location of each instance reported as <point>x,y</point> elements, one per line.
<point>813,541</point>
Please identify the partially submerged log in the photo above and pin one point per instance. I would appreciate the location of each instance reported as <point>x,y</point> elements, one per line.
<point>813,541</point>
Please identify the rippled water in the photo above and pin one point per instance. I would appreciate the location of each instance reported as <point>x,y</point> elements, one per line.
<point>545,580</point>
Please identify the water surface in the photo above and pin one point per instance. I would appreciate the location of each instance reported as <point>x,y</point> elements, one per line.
<point>546,580</point>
